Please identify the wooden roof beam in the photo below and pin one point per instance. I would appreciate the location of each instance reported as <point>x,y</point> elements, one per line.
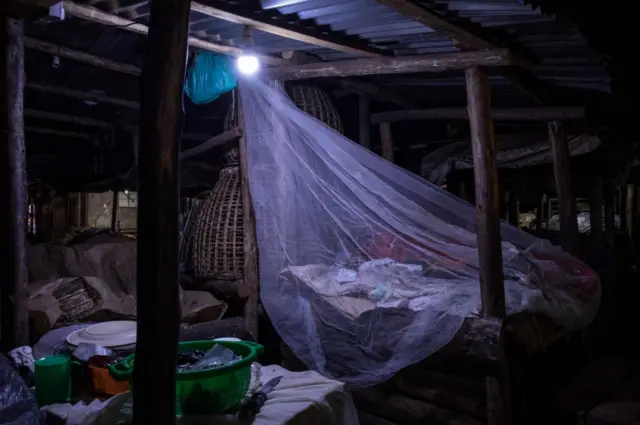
<point>230,13</point>
<point>360,86</point>
<point>542,114</point>
<point>70,119</point>
<point>92,14</point>
<point>467,41</point>
<point>83,95</point>
<point>214,141</point>
<point>64,52</point>
<point>396,65</point>
<point>60,133</point>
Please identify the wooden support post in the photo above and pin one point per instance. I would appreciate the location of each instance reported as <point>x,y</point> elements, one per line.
<point>622,202</point>
<point>114,212</point>
<point>566,200</point>
<point>636,213</point>
<point>628,208</point>
<point>539,218</point>
<point>595,216</point>
<point>84,216</point>
<point>386,139</point>
<point>251,276</point>
<point>161,122</point>
<point>512,208</point>
<point>364,125</point>
<point>486,180</point>
<point>14,318</point>
<point>488,225</point>
<point>609,215</point>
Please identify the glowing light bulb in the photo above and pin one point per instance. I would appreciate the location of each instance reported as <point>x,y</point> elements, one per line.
<point>248,65</point>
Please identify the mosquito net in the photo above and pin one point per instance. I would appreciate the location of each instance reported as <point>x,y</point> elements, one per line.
<point>366,268</point>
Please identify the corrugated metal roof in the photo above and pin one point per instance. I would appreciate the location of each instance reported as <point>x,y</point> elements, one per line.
<point>560,54</point>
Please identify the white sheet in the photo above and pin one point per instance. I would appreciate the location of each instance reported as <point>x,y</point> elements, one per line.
<point>300,398</point>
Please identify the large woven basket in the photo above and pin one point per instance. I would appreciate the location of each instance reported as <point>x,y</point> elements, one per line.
<point>218,250</point>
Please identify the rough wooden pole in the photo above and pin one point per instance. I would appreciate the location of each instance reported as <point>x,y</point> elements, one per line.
<point>13,287</point>
<point>364,124</point>
<point>114,211</point>
<point>609,215</point>
<point>622,207</point>
<point>386,139</point>
<point>161,122</point>
<point>513,215</point>
<point>488,226</point>
<point>595,216</point>
<point>566,200</point>
<point>487,197</point>
<point>628,208</point>
<point>250,274</point>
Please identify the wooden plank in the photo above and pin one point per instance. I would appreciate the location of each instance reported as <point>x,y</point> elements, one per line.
<point>386,140</point>
<point>83,95</point>
<point>14,320</point>
<point>364,126</point>
<point>228,12</point>
<point>218,140</point>
<point>161,123</point>
<point>566,199</point>
<point>561,113</point>
<point>250,273</point>
<point>397,65</point>
<point>92,14</point>
<point>483,146</point>
<point>64,52</point>
<point>468,41</point>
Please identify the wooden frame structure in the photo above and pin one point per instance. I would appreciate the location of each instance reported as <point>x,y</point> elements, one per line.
<point>161,115</point>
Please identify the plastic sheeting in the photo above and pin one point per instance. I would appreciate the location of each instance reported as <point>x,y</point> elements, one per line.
<point>17,404</point>
<point>209,77</point>
<point>366,268</point>
<point>514,152</point>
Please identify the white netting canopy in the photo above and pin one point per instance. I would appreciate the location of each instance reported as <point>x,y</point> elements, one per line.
<point>366,268</point>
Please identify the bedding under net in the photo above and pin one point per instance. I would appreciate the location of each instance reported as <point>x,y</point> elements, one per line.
<point>366,268</point>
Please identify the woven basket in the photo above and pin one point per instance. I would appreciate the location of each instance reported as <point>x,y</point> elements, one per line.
<point>218,250</point>
<point>218,245</point>
<point>317,103</point>
<point>186,237</point>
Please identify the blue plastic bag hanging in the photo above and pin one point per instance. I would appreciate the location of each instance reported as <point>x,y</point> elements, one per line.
<point>209,77</point>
